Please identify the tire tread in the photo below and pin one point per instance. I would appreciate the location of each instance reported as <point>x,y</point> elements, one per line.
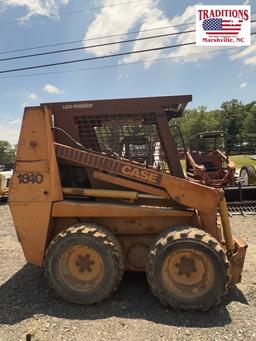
<point>106,237</point>
<point>179,233</point>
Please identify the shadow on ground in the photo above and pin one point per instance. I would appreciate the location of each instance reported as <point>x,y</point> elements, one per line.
<point>27,294</point>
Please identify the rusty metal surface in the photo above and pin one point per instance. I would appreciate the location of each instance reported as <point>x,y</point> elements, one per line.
<point>115,180</point>
<point>170,147</point>
<point>226,225</point>
<point>120,106</point>
<point>187,269</point>
<point>36,175</point>
<point>81,267</point>
<point>208,169</point>
<point>37,203</point>
<point>207,163</point>
<point>135,248</point>
<point>110,164</point>
<point>35,184</point>
<point>71,208</point>
<point>99,193</point>
<point>237,260</point>
<point>182,191</point>
<point>125,127</point>
<point>126,226</point>
<point>32,223</point>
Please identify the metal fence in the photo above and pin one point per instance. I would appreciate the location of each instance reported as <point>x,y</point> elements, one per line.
<point>236,145</point>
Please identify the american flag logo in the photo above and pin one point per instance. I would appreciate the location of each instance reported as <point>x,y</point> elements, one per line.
<point>218,26</point>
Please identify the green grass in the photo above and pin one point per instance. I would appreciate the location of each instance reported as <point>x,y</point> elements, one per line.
<point>183,164</point>
<point>241,160</point>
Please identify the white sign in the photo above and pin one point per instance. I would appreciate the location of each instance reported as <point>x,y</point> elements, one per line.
<point>223,25</point>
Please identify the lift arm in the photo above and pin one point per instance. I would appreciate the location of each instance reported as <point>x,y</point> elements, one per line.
<point>182,191</point>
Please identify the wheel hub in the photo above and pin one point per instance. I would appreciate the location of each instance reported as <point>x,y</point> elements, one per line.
<point>186,266</point>
<point>188,273</point>
<point>84,263</point>
<point>244,176</point>
<point>81,267</point>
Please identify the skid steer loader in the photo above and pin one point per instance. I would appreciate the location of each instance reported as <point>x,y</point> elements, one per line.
<point>86,206</point>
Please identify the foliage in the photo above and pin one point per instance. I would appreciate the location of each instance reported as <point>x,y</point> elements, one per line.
<point>249,125</point>
<point>7,153</point>
<point>233,117</point>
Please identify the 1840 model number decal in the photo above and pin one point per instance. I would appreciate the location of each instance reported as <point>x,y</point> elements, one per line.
<point>33,178</point>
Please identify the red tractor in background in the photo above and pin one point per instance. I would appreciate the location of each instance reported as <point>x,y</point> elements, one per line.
<point>207,160</point>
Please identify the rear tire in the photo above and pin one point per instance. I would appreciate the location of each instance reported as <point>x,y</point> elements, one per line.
<point>84,264</point>
<point>188,269</point>
<point>248,175</point>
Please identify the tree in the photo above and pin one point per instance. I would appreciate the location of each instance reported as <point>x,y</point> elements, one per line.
<point>234,118</point>
<point>249,126</point>
<point>7,153</point>
<point>196,121</point>
<point>233,115</point>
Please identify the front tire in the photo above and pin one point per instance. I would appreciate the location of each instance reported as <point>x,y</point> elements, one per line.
<point>84,264</point>
<point>188,269</point>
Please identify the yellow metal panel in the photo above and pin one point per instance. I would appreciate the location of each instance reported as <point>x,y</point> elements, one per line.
<point>77,209</point>
<point>191,194</point>
<point>35,155</point>
<point>31,221</point>
<point>131,184</point>
<point>141,225</point>
<point>182,191</point>
<point>100,193</point>
<point>35,183</point>
<point>30,166</point>
<point>32,142</point>
<point>226,225</point>
<point>31,192</point>
<point>237,260</point>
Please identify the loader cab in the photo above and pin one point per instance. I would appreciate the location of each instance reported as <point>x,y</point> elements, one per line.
<point>135,129</point>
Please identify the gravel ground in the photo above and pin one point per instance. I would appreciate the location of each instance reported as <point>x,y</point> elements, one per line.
<point>27,306</point>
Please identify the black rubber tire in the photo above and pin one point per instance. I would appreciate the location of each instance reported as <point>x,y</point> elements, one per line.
<point>251,175</point>
<point>183,237</point>
<point>97,238</point>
